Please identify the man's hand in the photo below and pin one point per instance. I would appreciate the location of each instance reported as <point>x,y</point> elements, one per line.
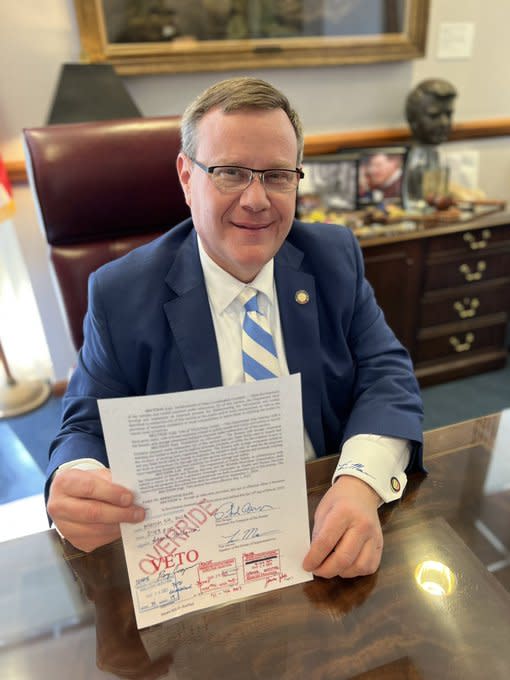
<point>86,507</point>
<point>347,538</point>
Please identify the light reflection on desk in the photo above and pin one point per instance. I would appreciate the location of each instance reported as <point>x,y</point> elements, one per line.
<point>435,578</point>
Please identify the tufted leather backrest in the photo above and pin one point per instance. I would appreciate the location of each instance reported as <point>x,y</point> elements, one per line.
<point>101,189</point>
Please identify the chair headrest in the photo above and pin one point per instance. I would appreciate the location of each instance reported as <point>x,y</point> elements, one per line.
<point>105,179</point>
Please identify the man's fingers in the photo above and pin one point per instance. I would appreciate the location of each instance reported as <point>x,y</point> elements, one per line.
<point>94,485</point>
<point>341,563</point>
<point>341,556</point>
<point>368,560</point>
<point>89,537</point>
<point>87,507</point>
<point>347,536</point>
<point>89,511</point>
<point>324,540</point>
<point>348,549</point>
<point>89,497</point>
<point>319,550</point>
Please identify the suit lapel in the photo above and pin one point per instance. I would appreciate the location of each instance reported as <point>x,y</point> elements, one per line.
<point>297,303</point>
<point>189,316</point>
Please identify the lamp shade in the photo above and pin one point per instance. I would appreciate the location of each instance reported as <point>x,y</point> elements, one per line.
<point>87,92</point>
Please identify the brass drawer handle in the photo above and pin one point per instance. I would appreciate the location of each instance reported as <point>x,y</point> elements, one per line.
<point>473,243</point>
<point>467,307</point>
<point>459,346</point>
<point>473,276</point>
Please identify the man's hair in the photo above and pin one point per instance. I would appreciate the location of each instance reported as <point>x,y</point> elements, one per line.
<point>433,87</point>
<point>236,94</point>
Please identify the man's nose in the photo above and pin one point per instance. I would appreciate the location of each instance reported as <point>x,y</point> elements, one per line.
<point>255,197</point>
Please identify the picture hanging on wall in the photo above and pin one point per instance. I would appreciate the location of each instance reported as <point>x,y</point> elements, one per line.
<point>208,35</point>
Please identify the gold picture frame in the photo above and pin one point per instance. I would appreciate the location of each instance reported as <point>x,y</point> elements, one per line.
<point>186,53</point>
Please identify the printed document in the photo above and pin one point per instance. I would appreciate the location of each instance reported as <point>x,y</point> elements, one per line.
<point>221,475</point>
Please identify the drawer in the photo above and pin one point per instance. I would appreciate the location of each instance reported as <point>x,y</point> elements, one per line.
<point>469,270</point>
<point>468,241</point>
<point>461,304</point>
<point>461,341</point>
<point>437,371</point>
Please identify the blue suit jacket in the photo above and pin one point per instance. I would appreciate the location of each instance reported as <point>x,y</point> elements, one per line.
<point>149,330</point>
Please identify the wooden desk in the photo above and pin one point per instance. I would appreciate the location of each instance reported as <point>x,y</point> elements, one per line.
<point>65,614</point>
<point>445,292</point>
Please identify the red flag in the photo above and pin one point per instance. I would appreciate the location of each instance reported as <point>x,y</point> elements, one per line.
<point>6,199</point>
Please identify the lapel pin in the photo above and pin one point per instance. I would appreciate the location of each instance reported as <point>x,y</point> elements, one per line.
<point>302,297</point>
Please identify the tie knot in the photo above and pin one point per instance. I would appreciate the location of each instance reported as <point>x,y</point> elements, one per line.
<point>248,297</point>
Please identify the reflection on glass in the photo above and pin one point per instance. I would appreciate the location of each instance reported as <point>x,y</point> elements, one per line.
<point>498,475</point>
<point>436,187</point>
<point>420,159</point>
<point>327,188</point>
<point>435,578</point>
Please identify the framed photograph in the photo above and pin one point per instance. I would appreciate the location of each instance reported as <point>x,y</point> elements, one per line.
<point>328,189</point>
<point>380,175</point>
<point>165,36</point>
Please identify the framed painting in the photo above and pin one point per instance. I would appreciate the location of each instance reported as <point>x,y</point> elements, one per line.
<point>164,36</point>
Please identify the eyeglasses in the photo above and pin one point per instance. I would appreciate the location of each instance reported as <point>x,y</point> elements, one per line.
<point>234,178</point>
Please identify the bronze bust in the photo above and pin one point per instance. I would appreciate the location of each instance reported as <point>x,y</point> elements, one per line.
<point>429,110</point>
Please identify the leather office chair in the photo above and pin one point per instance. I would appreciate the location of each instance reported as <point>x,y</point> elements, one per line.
<point>101,189</point>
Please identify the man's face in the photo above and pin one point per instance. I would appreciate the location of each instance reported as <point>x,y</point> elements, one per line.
<point>380,168</point>
<point>241,231</point>
<point>434,120</point>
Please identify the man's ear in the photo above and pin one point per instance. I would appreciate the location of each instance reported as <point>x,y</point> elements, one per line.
<point>183,164</point>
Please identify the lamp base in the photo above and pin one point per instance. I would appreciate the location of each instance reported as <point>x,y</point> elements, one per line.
<point>22,397</point>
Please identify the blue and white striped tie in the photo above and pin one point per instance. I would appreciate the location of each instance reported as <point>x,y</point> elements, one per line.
<point>259,353</point>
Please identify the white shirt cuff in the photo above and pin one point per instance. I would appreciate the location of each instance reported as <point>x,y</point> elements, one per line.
<point>377,460</point>
<point>81,464</point>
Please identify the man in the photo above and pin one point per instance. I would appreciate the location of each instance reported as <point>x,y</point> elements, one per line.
<point>381,177</point>
<point>167,317</point>
<point>429,110</point>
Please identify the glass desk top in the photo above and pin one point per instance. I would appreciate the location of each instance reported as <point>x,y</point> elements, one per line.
<point>439,606</point>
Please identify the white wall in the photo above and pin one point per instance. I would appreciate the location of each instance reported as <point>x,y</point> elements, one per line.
<point>36,37</point>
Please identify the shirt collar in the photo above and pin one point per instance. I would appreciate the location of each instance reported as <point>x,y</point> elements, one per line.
<point>223,288</point>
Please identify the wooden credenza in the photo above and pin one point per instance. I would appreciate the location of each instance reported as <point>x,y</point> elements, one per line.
<point>445,291</point>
